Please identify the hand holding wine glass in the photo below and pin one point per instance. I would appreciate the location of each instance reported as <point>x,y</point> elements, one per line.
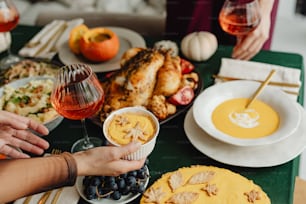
<point>78,94</point>
<point>241,18</point>
<point>9,18</point>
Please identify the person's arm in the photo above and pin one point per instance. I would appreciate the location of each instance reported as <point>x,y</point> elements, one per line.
<point>251,44</point>
<point>22,177</point>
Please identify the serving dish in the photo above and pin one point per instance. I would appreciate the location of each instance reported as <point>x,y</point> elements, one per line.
<point>246,156</point>
<point>124,199</point>
<point>127,39</point>
<point>29,67</point>
<point>210,98</point>
<point>50,124</point>
<point>179,109</point>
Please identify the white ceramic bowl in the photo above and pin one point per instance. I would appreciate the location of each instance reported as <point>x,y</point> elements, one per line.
<point>21,82</point>
<point>213,96</point>
<point>145,148</point>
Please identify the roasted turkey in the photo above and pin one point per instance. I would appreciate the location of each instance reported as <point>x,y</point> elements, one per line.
<point>146,78</point>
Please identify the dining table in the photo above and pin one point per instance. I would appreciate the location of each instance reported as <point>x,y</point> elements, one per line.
<point>173,149</point>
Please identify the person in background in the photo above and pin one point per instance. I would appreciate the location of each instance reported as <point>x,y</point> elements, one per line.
<point>186,16</point>
<point>26,176</point>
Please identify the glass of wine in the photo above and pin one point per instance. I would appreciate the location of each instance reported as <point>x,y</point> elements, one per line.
<point>9,18</point>
<point>77,94</point>
<point>239,17</point>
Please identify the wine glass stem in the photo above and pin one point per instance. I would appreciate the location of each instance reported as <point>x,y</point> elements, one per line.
<point>6,38</point>
<point>87,143</point>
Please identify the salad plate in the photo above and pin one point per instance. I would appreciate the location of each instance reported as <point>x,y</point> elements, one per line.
<point>29,67</point>
<point>11,93</point>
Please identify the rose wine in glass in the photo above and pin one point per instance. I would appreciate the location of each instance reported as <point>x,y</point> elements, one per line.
<point>78,94</point>
<point>239,17</point>
<point>9,18</point>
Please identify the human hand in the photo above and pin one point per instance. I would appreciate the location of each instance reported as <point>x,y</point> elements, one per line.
<point>107,160</point>
<point>248,46</point>
<point>15,132</point>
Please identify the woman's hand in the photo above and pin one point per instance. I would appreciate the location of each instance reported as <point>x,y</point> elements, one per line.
<point>249,45</point>
<point>107,160</point>
<point>15,131</point>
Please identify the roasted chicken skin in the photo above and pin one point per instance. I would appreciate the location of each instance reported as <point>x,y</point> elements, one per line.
<point>129,54</point>
<point>169,76</point>
<point>159,106</point>
<point>134,84</point>
<point>148,78</point>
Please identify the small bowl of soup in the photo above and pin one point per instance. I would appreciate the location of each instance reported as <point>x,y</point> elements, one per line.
<point>130,124</point>
<point>220,110</point>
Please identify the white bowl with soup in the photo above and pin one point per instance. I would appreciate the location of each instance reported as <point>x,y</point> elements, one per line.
<point>129,124</point>
<point>220,111</point>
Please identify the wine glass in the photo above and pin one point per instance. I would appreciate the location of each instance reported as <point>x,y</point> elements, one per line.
<point>9,18</point>
<point>77,94</point>
<point>239,17</point>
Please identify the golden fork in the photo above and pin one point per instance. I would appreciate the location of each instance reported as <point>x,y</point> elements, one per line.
<point>47,194</point>
<point>57,195</point>
<point>59,191</point>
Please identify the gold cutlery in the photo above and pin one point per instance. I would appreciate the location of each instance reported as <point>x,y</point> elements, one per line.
<point>271,82</point>
<point>44,197</point>
<point>261,87</point>
<point>47,194</point>
<point>56,151</point>
<point>57,195</point>
<point>27,200</point>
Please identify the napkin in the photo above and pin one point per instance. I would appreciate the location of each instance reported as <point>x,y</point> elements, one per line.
<point>46,43</point>
<point>69,195</point>
<point>299,196</point>
<point>286,78</point>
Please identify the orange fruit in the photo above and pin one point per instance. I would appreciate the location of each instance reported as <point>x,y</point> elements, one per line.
<point>99,44</point>
<point>74,38</point>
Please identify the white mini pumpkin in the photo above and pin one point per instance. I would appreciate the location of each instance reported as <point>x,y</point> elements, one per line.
<point>199,46</point>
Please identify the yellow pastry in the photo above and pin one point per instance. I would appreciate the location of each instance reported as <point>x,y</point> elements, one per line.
<point>204,184</point>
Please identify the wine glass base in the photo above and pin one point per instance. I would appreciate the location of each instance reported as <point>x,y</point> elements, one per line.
<point>80,145</point>
<point>7,61</point>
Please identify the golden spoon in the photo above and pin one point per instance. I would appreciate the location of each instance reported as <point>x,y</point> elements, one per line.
<point>258,91</point>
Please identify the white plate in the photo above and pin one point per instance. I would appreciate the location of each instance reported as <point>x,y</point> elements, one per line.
<point>52,124</point>
<point>124,199</point>
<point>213,96</point>
<point>263,156</point>
<point>127,38</point>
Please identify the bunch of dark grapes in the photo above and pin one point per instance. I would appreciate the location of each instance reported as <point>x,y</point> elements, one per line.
<point>114,187</point>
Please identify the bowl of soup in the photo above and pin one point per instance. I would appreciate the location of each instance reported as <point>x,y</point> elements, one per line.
<point>220,110</point>
<point>130,124</point>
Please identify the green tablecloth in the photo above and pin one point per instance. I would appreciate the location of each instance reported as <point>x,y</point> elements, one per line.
<point>173,150</point>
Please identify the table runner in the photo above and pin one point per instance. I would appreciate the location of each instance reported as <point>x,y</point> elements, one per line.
<point>173,150</point>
